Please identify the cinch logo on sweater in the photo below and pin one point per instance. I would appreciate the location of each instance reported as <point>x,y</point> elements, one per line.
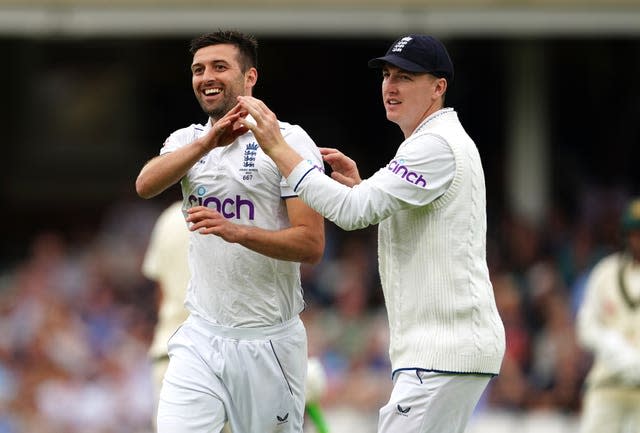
<point>398,167</point>
<point>228,207</point>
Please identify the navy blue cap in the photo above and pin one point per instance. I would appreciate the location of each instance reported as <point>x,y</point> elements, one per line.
<point>418,53</point>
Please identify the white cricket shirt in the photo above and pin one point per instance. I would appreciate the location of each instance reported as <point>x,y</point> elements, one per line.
<point>232,285</point>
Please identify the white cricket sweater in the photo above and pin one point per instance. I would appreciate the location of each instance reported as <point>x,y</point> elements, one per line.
<point>432,250</point>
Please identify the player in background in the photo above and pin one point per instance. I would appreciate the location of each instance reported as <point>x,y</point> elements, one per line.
<point>446,336</point>
<point>609,326</point>
<point>166,264</point>
<point>241,356</point>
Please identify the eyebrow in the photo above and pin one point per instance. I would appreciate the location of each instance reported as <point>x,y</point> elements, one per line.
<point>214,62</point>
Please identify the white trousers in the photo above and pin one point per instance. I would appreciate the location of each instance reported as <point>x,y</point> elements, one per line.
<point>253,378</point>
<point>611,411</point>
<point>430,402</point>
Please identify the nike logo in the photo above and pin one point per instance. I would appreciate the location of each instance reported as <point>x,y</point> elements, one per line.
<point>403,410</point>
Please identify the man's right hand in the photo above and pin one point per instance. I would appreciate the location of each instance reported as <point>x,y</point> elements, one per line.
<point>226,130</point>
<point>344,169</point>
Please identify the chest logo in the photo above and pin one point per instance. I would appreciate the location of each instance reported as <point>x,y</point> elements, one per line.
<point>250,155</point>
<point>232,207</point>
<point>248,167</point>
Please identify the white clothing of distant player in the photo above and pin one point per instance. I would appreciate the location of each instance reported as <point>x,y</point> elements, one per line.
<point>243,350</point>
<point>165,262</point>
<point>608,324</point>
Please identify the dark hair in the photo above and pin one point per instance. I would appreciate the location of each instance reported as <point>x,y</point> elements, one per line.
<point>247,45</point>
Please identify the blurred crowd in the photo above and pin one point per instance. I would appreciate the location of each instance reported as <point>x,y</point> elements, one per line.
<point>77,317</point>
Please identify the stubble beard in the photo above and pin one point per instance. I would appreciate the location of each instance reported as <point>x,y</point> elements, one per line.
<point>219,111</point>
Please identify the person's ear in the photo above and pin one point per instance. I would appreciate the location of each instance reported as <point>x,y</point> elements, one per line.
<point>251,77</point>
<point>440,86</point>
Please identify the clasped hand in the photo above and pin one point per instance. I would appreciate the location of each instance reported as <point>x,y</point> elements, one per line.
<point>250,114</point>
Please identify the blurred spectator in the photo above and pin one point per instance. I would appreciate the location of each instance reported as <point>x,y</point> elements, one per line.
<point>351,338</point>
<point>557,368</point>
<point>72,346</point>
<point>510,389</point>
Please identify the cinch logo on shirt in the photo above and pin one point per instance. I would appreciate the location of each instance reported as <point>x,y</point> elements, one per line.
<point>397,167</point>
<point>228,207</point>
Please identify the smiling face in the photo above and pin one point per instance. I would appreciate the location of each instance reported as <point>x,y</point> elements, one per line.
<point>410,97</point>
<point>218,79</point>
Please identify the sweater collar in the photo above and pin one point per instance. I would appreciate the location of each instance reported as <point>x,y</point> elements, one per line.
<point>431,117</point>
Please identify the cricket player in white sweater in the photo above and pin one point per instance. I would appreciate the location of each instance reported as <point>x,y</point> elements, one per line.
<point>609,326</point>
<point>446,337</point>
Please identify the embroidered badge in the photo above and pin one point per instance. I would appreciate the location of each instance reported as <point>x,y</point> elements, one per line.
<point>248,167</point>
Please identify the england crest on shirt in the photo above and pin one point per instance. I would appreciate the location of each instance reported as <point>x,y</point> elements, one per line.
<point>248,166</point>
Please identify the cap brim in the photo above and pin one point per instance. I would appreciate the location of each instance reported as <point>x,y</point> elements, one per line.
<point>398,61</point>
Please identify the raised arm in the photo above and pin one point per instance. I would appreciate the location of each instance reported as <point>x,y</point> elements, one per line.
<point>345,199</point>
<point>165,170</point>
<point>267,131</point>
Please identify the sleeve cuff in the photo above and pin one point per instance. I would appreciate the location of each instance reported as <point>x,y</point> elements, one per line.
<point>298,174</point>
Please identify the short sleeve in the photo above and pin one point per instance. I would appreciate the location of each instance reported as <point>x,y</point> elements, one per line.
<point>297,138</point>
<point>180,138</point>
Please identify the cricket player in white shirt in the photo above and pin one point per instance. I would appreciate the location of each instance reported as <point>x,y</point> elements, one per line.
<point>241,356</point>
<point>165,263</point>
<point>609,325</point>
<point>446,336</point>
